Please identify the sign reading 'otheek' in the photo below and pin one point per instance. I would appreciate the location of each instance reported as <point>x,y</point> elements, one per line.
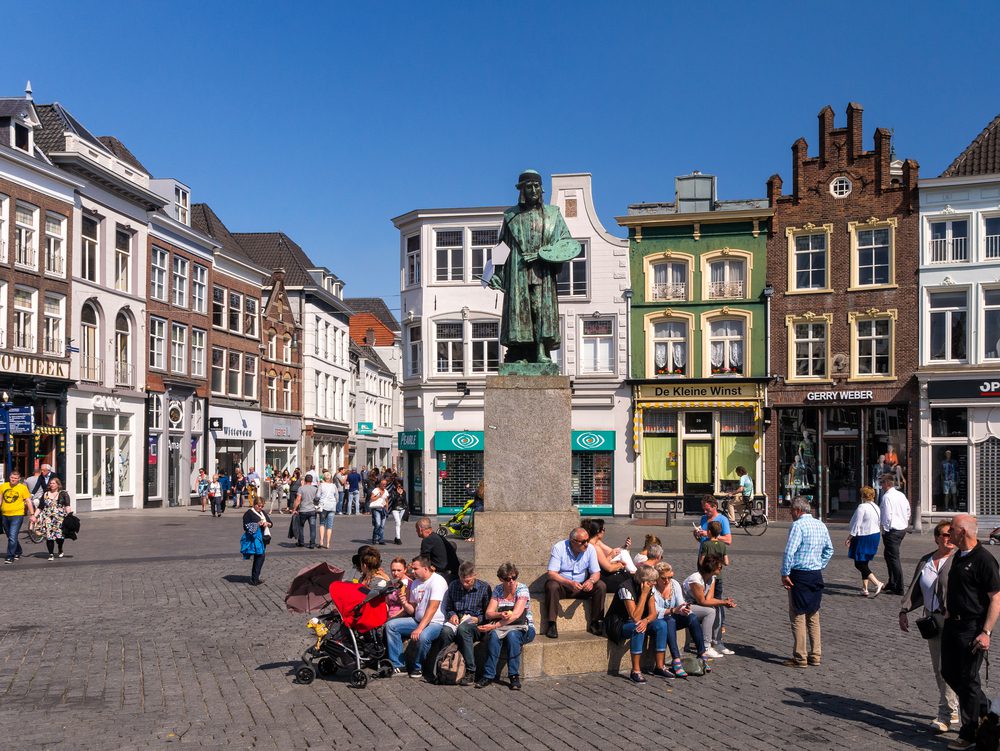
<point>33,366</point>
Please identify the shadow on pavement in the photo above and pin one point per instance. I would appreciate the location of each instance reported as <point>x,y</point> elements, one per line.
<point>290,664</point>
<point>748,650</point>
<point>902,727</point>
<point>236,578</point>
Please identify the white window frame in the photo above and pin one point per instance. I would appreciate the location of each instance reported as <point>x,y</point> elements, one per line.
<point>793,235</point>
<point>453,344</point>
<point>272,344</point>
<point>251,318</point>
<point>55,245</point>
<point>651,321</point>
<point>250,370</point>
<point>54,326</point>
<point>811,319</point>
<point>949,249</point>
<point>272,391</point>
<point>25,319</point>
<point>157,343</point>
<point>711,318</point>
<point>947,314</point>
<point>591,366</point>
<point>4,214</point>
<point>415,349</point>
<point>991,242</point>
<point>159,263</point>
<point>286,392</point>
<point>664,291</point>
<point>199,288</point>
<point>483,344</point>
<point>452,252</point>
<point>569,268</point>
<point>182,205</point>
<point>735,278</point>
<point>841,186</point>
<point>286,348</point>
<point>859,320</point>
<point>178,348</point>
<point>855,229</point>
<point>123,260</point>
<point>26,236</point>
<point>3,314</point>
<point>218,370</point>
<point>481,253</point>
<point>179,282</point>
<point>123,352</point>
<point>222,309</point>
<point>237,310</point>
<point>198,350</point>
<point>413,261</point>
<point>234,376</point>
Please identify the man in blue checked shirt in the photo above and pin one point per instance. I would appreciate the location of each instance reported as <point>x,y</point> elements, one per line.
<point>464,609</point>
<point>807,552</point>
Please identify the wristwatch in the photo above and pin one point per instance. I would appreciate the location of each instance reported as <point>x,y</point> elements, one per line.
<point>987,632</point>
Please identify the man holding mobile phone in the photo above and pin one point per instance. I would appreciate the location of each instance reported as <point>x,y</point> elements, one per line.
<point>971,611</point>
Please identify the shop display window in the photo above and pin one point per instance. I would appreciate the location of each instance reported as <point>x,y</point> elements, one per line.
<point>798,469</point>
<point>459,474</point>
<point>659,451</point>
<point>737,434</point>
<point>949,477</point>
<point>887,449</point>
<point>592,478</point>
<point>987,478</point>
<point>843,421</point>
<point>949,421</point>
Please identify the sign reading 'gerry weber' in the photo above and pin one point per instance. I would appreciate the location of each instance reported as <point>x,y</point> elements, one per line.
<point>837,396</point>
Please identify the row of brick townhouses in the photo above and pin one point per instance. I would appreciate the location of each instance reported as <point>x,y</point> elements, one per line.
<point>845,324</point>
<point>141,340</point>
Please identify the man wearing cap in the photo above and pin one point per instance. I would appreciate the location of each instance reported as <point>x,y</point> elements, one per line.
<point>539,243</point>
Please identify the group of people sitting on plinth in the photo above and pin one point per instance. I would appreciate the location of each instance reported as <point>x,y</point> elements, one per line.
<point>443,600</point>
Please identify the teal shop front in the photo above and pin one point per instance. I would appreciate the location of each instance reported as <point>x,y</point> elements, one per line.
<point>459,456</point>
<point>412,442</point>
<point>593,480</point>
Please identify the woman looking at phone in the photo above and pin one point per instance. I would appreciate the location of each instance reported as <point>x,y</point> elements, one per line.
<point>668,599</point>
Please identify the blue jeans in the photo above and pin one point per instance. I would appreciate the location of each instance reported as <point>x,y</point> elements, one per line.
<point>400,628</point>
<point>657,629</point>
<point>515,640</point>
<point>378,525</point>
<point>341,496</point>
<point>12,528</point>
<point>353,505</point>
<point>692,624</point>
<point>310,519</point>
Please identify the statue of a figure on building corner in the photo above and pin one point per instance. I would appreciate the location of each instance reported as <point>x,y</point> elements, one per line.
<point>539,243</point>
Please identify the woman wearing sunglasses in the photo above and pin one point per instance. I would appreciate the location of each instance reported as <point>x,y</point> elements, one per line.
<point>508,619</point>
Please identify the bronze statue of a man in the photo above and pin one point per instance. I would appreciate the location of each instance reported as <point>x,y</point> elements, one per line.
<point>539,243</point>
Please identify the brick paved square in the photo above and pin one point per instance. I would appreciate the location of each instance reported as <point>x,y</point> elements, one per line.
<point>146,636</point>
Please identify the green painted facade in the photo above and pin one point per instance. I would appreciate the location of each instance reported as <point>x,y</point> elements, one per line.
<point>679,239</point>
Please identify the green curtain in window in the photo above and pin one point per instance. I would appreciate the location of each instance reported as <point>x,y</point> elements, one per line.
<point>736,450</point>
<point>659,458</point>
<point>698,463</point>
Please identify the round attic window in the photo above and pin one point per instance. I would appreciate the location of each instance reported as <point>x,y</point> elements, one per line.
<point>840,187</point>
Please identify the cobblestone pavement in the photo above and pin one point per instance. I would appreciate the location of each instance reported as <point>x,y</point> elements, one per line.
<point>146,635</point>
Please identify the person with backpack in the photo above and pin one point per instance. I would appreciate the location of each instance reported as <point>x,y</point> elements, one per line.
<point>465,604</point>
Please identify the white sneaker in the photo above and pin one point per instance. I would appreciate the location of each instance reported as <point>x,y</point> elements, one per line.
<point>723,649</point>
<point>711,653</point>
<point>878,588</point>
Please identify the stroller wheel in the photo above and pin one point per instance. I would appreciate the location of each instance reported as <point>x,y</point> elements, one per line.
<point>443,531</point>
<point>305,675</point>
<point>359,679</point>
<point>466,533</point>
<point>326,667</point>
<point>384,669</point>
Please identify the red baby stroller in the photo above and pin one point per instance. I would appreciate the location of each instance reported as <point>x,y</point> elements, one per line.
<point>351,636</point>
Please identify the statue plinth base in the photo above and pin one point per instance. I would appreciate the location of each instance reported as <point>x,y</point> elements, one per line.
<point>528,469</point>
<point>529,369</point>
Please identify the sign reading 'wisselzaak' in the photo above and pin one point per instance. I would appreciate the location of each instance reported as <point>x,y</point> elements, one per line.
<point>33,366</point>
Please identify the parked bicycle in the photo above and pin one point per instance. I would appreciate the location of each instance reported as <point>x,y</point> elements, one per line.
<point>752,518</point>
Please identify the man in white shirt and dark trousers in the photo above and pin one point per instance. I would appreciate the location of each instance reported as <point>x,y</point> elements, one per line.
<point>895,521</point>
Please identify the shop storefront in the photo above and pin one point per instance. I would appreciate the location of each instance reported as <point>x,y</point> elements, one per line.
<point>175,446</point>
<point>834,441</point>
<point>281,442</point>
<point>411,444</point>
<point>32,416</point>
<point>459,456</point>
<point>328,448</point>
<point>101,465</point>
<point>689,439</point>
<point>234,439</point>
<point>960,447</point>
<point>593,462</point>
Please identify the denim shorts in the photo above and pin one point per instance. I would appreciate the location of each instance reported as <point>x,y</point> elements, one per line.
<point>326,519</point>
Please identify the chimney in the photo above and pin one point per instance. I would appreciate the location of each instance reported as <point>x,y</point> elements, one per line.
<point>800,150</point>
<point>911,172</point>
<point>370,337</point>
<point>883,158</point>
<point>773,190</point>
<point>855,136</point>
<point>825,126</point>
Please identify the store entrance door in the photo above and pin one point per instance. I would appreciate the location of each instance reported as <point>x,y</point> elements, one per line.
<point>844,478</point>
<point>699,479</point>
<point>415,480</point>
<point>174,471</point>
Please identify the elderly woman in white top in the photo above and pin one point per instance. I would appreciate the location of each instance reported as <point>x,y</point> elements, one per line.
<point>327,499</point>
<point>928,590</point>
<point>862,543</point>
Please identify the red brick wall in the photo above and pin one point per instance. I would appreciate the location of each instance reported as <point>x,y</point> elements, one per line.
<point>361,322</point>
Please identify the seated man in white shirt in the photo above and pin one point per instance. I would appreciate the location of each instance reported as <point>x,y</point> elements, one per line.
<point>426,593</point>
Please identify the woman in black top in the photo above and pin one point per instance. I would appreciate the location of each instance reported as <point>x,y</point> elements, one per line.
<point>239,488</point>
<point>397,507</point>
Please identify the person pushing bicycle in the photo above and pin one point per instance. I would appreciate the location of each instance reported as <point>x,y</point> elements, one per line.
<point>744,492</point>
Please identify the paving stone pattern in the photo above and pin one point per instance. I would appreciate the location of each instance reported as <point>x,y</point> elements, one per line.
<point>147,636</point>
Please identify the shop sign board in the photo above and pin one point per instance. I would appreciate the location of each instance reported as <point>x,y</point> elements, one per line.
<point>593,440</point>
<point>21,420</point>
<point>33,366</point>
<point>411,440</point>
<point>668,391</point>
<point>366,428</point>
<point>839,396</point>
<point>964,389</point>
<point>458,440</point>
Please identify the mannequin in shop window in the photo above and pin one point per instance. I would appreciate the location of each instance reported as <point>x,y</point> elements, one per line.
<point>949,481</point>
<point>806,458</point>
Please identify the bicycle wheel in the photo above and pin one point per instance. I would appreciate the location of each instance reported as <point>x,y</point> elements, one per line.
<point>758,525</point>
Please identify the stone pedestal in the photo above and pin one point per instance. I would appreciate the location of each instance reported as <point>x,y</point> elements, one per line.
<point>527,468</point>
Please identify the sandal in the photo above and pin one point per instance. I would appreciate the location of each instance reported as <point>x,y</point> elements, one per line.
<point>677,668</point>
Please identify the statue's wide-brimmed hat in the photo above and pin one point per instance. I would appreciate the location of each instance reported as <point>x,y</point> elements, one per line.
<point>528,176</point>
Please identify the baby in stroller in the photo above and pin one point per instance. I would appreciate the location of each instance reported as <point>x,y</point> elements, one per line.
<point>352,635</point>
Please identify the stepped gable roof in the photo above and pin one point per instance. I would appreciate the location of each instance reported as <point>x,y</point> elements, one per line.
<point>981,157</point>
<point>377,307</point>
<point>121,151</point>
<point>207,221</point>
<point>276,250</point>
<point>363,350</point>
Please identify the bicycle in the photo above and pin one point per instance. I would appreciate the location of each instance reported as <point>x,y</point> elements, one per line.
<point>752,518</point>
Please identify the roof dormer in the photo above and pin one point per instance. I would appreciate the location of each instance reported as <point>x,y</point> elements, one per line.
<point>179,196</point>
<point>18,121</point>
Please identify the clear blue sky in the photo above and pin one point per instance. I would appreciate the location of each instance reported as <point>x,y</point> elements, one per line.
<point>325,120</point>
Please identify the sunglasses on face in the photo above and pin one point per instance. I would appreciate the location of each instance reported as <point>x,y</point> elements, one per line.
<point>581,542</point>
<point>508,579</point>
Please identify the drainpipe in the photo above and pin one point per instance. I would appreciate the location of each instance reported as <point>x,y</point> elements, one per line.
<point>768,293</point>
<point>627,297</point>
